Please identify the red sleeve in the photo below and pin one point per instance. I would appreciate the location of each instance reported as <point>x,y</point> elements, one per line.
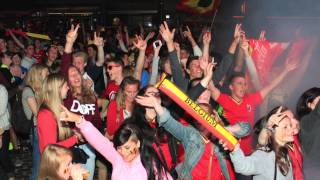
<point>65,63</point>
<point>111,118</point>
<point>47,131</point>
<point>255,98</point>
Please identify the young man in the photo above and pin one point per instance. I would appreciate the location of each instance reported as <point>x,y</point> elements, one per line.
<point>28,60</point>
<point>240,106</point>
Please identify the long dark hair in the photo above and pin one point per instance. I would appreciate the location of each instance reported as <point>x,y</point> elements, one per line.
<point>149,158</point>
<point>307,97</point>
<point>152,133</point>
<point>281,152</point>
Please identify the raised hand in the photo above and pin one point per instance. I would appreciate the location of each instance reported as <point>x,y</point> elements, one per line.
<point>238,33</point>
<point>203,62</point>
<point>187,33</point>
<point>244,45</point>
<point>72,33</point>
<point>291,65</point>
<point>98,41</point>
<point>140,43</point>
<point>148,101</point>
<point>262,36</point>
<point>275,119</point>
<point>165,32</point>
<point>150,36</point>
<point>206,38</point>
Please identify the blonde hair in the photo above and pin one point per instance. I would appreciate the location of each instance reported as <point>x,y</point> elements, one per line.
<point>34,78</point>
<point>51,159</point>
<point>51,99</point>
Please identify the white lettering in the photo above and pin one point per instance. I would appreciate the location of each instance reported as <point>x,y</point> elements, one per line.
<point>84,109</point>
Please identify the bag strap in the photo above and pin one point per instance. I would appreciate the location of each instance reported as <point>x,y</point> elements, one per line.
<point>275,169</point>
<point>210,162</point>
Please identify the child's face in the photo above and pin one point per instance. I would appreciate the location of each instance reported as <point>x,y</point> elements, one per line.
<point>64,170</point>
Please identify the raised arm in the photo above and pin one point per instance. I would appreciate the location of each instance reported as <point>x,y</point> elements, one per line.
<point>16,40</point>
<point>93,136</point>
<point>99,42</point>
<point>195,47</point>
<point>176,68</point>
<point>155,64</point>
<point>141,45</point>
<point>289,66</point>
<point>164,118</point>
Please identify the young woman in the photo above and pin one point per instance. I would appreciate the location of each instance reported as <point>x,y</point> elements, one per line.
<point>308,110</point>
<point>202,159</point>
<point>163,142</point>
<point>30,98</point>
<point>82,100</point>
<point>294,148</point>
<point>274,154</point>
<point>56,164</point>
<point>50,129</point>
<point>122,107</point>
<point>131,159</point>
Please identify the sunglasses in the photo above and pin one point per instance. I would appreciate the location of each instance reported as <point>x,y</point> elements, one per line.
<point>110,67</point>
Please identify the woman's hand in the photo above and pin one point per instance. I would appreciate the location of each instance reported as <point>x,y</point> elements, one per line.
<point>148,101</point>
<point>78,172</point>
<point>66,115</point>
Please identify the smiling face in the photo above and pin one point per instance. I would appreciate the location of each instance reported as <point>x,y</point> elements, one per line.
<point>294,122</point>
<point>74,77</point>
<point>284,132</point>
<point>194,69</point>
<point>129,150</point>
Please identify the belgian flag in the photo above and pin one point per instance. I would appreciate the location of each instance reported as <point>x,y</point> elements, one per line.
<point>205,7</point>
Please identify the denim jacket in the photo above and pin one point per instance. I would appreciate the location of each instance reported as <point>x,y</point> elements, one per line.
<point>193,145</point>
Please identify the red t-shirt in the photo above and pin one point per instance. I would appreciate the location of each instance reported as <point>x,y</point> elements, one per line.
<point>201,170</point>
<point>243,111</point>
<point>114,118</point>
<point>111,90</point>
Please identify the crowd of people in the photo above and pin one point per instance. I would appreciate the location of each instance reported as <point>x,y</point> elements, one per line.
<point>96,106</point>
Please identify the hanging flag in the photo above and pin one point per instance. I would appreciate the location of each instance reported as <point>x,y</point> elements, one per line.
<point>264,53</point>
<point>205,7</point>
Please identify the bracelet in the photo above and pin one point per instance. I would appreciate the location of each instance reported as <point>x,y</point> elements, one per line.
<point>81,120</point>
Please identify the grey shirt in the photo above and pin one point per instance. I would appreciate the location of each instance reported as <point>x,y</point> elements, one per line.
<point>260,164</point>
<point>4,109</point>
<point>28,93</point>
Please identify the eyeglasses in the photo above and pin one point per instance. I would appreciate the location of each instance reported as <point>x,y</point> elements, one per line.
<point>110,67</point>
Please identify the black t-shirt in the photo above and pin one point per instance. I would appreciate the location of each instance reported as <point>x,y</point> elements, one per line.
<point>96,74</point>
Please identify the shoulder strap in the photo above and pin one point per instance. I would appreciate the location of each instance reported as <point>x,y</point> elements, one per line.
<point>275,168</point>
<point>210,162</point>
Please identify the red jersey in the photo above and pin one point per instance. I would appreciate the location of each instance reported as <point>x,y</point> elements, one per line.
<point>243,111</point>
<point>111,90</point>
<point>201,170</point>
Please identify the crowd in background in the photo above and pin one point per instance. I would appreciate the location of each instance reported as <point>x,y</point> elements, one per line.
<point>93,104</point>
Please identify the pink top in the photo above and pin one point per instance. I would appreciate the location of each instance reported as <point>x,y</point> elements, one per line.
<point>121,170</point>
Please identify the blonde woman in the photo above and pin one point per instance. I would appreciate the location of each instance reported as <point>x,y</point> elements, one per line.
<point>30,97</point>
<point>56,164</point>
<point>50,129</point>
